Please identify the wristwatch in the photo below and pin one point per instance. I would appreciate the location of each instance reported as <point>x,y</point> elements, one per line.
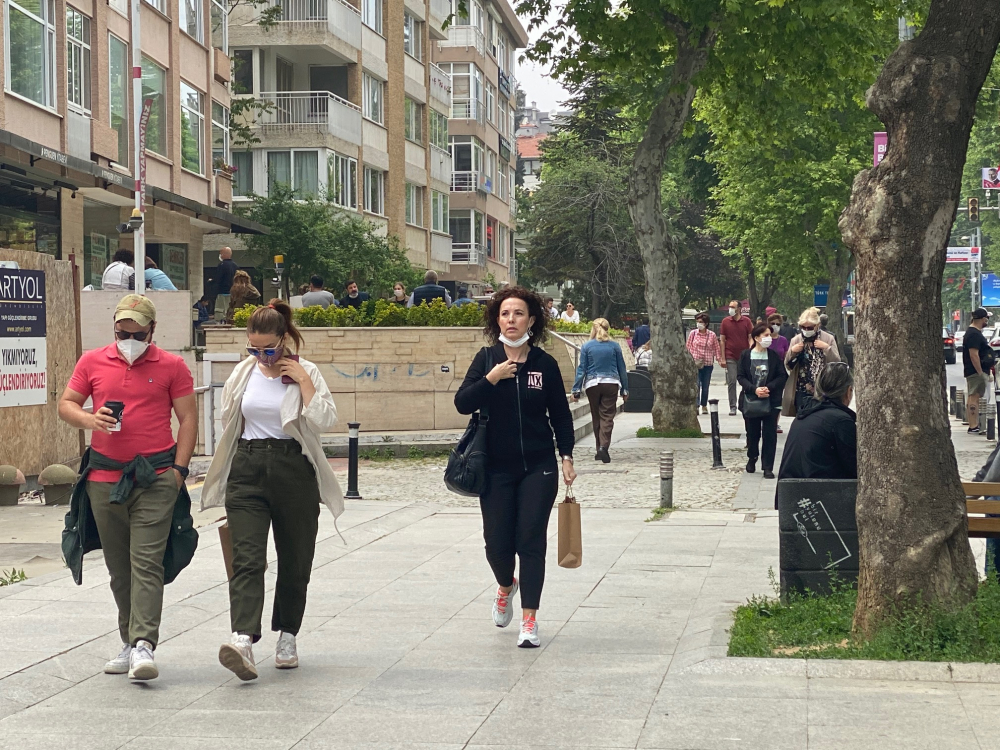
<point>182,470</point>
<point>567,458</point>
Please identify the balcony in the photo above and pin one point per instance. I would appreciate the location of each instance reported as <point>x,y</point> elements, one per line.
<point>468,182</point>
<point>439,12</point>
<point>334,25</point>
<point>468,109</point>
<point>293,112</point>
<point>471,253</point>
<point>465,36</point>
<point>440,88</point>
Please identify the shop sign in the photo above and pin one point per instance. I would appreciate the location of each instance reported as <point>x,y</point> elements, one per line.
<point>22,338</point>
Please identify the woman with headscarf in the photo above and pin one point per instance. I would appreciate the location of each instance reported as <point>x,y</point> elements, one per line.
<point>809,352</point>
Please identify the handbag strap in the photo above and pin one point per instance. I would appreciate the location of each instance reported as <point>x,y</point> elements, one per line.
<point>484,411</point>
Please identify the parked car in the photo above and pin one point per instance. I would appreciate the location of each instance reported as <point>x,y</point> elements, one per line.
<point>959,335</point>
<point>949,347</point>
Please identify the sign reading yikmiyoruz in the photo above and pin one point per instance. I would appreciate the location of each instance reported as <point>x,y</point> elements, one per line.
<point>22,338</point>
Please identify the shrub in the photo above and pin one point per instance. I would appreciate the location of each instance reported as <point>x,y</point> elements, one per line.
<point>561,326</point>
<point>379,313</point>
<point>242,316</point>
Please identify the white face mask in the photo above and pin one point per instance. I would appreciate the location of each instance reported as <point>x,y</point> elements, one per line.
<point>732,311</point>
<point>808,334</point>
<point>399,292</point>
<point>701,326</point>
<point>510,342</point>
<point>765,342</point>
<point>775,328</point>
<point>221,258</point>
<point>131,349</point>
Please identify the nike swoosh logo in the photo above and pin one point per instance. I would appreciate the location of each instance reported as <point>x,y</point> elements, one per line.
<point>546,473</point>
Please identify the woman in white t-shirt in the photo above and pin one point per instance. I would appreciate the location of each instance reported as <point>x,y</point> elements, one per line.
<point>270,471</point>
<point>119,275</point>
<point>569,314</point>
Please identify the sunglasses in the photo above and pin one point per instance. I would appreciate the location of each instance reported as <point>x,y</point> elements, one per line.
<point>138,335</point>
<point>808,328</point>
<point>269,352</point>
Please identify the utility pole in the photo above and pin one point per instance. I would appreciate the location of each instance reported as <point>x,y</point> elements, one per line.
<point>139,235</point>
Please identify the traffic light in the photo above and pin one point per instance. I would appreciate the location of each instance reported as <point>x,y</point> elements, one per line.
<point>973,209</point>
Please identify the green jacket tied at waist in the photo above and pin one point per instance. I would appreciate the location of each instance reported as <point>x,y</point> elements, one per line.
<point>80,533</point>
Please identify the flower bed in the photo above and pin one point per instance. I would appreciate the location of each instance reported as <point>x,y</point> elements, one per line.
<point>379,314</point>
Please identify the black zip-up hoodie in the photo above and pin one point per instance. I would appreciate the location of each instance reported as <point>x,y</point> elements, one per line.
<point>523,411</point>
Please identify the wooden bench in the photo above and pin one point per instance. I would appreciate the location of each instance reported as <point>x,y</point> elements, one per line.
<point>980,526</point>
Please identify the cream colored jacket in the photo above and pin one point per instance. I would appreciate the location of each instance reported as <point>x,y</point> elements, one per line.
<point>304,425</point>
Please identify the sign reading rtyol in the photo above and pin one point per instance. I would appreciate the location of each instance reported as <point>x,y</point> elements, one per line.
<point>22,338</point>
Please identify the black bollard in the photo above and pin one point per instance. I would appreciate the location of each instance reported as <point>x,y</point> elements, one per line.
<point>960,405</point>
<point>352,461</point>
<point>991,423</point>
<point>713,409</point>
<point>951,399</point>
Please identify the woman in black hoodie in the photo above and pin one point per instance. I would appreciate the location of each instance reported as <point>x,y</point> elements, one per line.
<point>524,392</point>
<point>762,375</point>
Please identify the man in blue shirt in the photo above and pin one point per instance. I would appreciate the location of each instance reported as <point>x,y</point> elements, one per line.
<point>463,297</point>
<point>641,335</point>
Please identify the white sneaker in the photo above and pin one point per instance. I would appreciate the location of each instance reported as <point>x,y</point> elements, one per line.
<point>120,664</point>
<point>141,664</point>
<point>503,611</point>
<point>286,656</point>
<point>528,637</point>
<point>237,657</point>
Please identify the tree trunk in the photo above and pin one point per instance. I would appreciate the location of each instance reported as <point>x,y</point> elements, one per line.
<point>839,265</point>
<point>912,529</point>
<point>673,371</point>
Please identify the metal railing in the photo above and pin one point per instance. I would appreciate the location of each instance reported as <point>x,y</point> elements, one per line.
<point>468,252</point>
<point>313,10</point>
<point>465,36</point>
<point>468,109</point>
<point>316,111</point>
<point>464,182</point>
<point>576,349</point>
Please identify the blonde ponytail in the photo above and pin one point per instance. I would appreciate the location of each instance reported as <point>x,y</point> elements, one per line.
<point>599,329</point>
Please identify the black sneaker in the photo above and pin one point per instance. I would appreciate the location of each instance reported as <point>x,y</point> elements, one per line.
<point>768,474</point>
<point>751,466</point>
<point>732,412</point>
<point>973,430</point>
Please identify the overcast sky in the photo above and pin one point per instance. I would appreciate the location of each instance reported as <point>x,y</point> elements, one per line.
<point>538,84</point>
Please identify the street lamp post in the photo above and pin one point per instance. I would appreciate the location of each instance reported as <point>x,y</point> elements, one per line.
<point>139,234</point>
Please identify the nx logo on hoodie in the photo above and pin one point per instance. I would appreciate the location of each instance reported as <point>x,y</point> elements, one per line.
<point>535,380</point>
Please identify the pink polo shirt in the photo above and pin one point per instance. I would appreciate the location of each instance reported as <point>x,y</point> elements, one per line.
<point>147,388</point>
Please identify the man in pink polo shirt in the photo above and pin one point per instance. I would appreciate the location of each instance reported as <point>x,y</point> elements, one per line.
<point>135,468</point>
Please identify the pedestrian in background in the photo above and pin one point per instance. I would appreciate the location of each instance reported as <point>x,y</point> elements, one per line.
<point>762,376</point>
<point>222,281</point>
<point>551,309</point>
<point>132,476</point>
<point>977,359</point>
<point>399,295</point>
<point>119,276</point>
<point>735,339</point>
<point>156,279</point>
<point>779,344</point>
<point>808,353</point>
<point>242,293</point>
<point>570,315</point>
<point>601,374</point>
<point>641,335</point>
<point>270,471</point>
<point>522,387</point>
<point>429,291</point>
<point>644,356</point>
<point>787,329</point>
<point>354,297</point>
<point>703,346</point>
<point>317,295</point>
<point>463,297</point>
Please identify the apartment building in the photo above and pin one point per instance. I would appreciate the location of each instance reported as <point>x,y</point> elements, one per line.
<point>479,54</point>
<point>354,110</point>
<point>67,165</point>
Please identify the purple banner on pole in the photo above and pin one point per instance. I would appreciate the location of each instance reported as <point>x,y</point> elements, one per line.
<point>881,144</point>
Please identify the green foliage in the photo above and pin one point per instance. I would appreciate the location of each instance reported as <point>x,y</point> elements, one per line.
<point>381,314</point>
<point>317,238</point>
<point>561,326</point>
<point>12,576</point>
<point>649,432</point>
<point>819,627</point>
<point>660,513</point>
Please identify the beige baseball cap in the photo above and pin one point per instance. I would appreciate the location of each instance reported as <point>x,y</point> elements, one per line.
<point>136,307</point>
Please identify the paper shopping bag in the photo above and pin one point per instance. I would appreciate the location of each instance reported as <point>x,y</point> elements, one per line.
<point>570,538</point>
<point>226,541</point>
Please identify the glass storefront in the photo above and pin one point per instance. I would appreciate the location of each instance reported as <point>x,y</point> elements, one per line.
<point>28,221</point>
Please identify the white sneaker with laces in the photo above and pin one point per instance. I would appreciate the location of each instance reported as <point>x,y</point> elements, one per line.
<point>237,657</point>
<point>141,664</point>
<point>120,664</point>
<point>503,611</point>
<point>286,656</point>
<point>528,637</point>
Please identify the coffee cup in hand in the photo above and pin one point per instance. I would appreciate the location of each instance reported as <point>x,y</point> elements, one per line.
<point>117,409</point>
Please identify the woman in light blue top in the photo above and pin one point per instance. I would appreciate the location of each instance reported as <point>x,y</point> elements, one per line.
<point>601,374</point>
<point>156,279</point>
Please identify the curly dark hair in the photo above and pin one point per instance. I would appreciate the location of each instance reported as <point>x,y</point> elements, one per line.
<point>536,309</point>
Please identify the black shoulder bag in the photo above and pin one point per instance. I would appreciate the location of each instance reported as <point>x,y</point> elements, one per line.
<point>466,471</point>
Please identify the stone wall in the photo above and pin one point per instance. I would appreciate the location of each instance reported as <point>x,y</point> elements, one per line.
<point>391,379</point>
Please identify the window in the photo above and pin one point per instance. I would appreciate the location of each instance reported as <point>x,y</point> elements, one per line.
<point>343,181</point>
<point>30,39</point>
<point>414,197</point>
<point>501,116</point>
<point>119,80</point>
<point>439,130</point>
<point>467,91</point>
<point>220,136</point>
<point>413,33</point>
<point>511,127</point>
<point>501,184</point>
<point>299,170</point>
<point>372,102</point>
<point>242,71</point>
<point>190,18</point>
<point>491,169</point>
<point>466,153</point>
<point>77,59</point>
<point>374,191</point>
<point>501,55</point>
<point>192,128</point>
<point>243,179</point>
<point>371,14</point>
<point>491,98</point>
<point>153,87</point>
<point>160,5</point>
<point>439,211</point>
<point>413,120</point>
<point>220,28</point>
